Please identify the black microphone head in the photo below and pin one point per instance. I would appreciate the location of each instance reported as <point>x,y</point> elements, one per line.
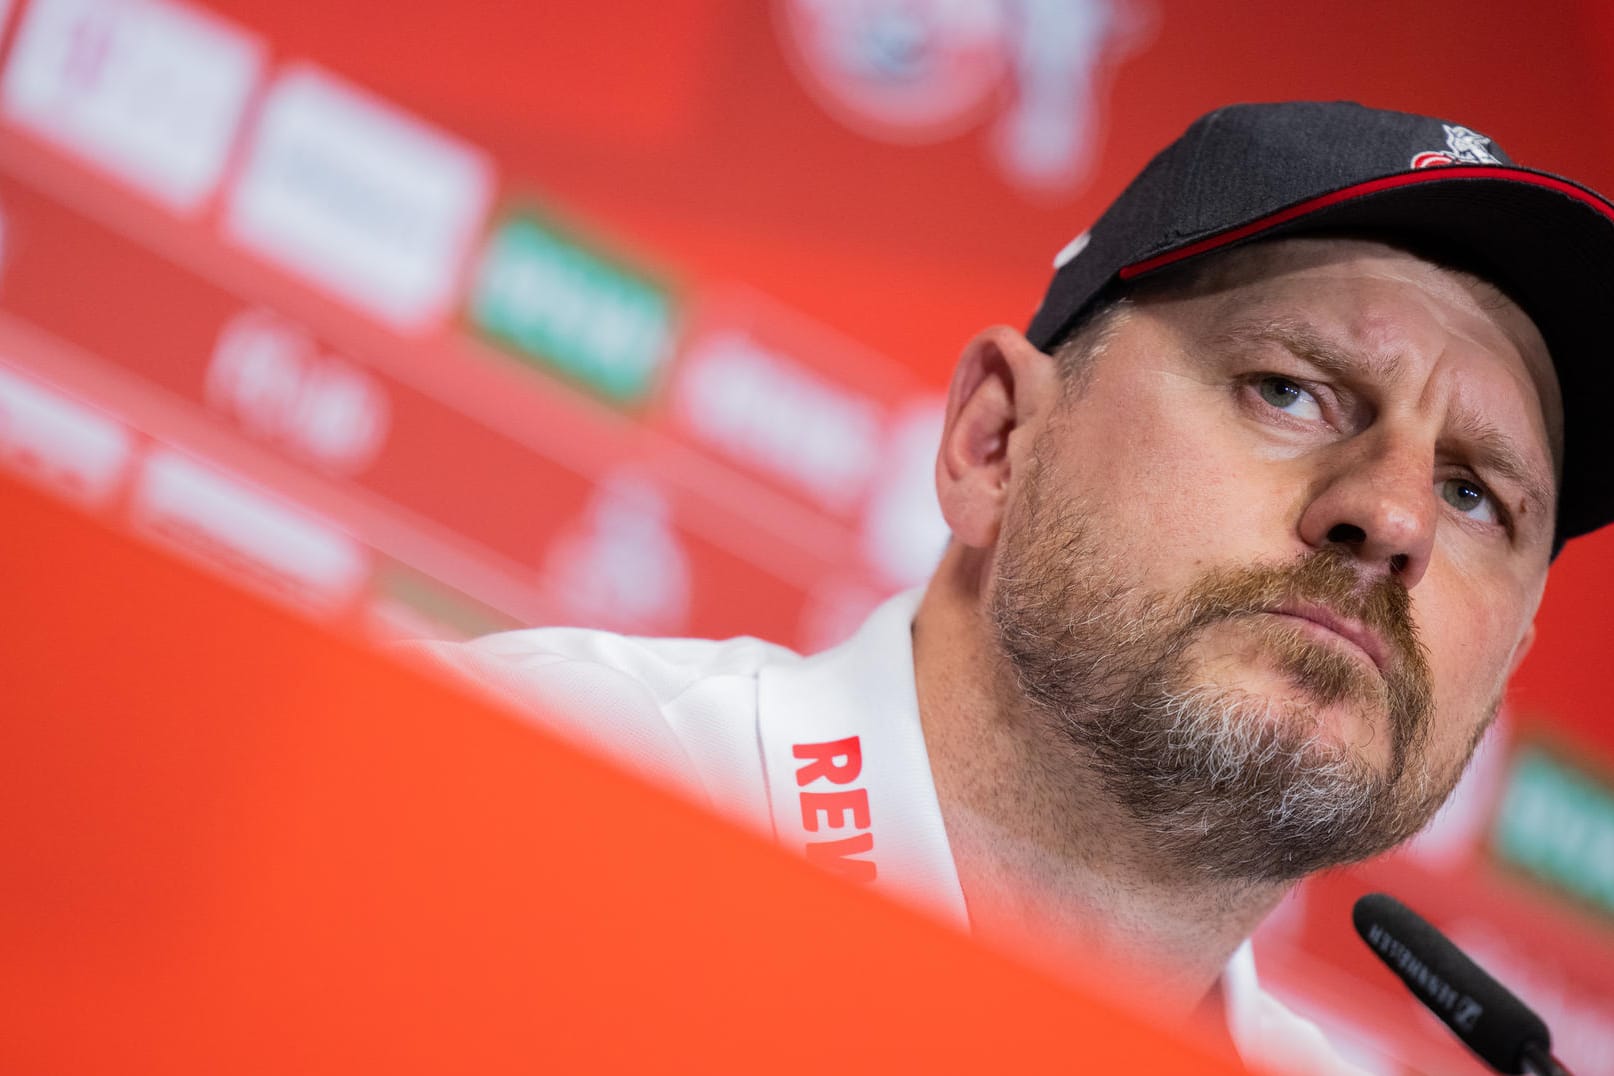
<point>1481,1011</point>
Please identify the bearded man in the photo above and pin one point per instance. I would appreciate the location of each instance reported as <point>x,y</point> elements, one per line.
<point>1248,532</point>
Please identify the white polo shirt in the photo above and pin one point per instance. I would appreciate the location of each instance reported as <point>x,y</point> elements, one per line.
<point>825,754</point>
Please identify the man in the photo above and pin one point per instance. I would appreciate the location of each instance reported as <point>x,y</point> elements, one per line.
<point>1248,533</point>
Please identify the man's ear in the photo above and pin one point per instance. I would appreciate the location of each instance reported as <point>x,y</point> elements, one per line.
<point>1003,389</point>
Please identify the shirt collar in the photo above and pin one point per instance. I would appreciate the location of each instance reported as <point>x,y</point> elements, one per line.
<point>848,774</point>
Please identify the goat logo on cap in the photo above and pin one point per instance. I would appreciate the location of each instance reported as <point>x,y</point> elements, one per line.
<point>1462,146</point>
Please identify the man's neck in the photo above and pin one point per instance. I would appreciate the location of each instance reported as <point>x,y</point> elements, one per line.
<point>1051,867</point>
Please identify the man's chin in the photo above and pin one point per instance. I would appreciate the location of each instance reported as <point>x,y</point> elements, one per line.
<point>1308,725</point>
<point>1269,772</point>
<point>1302,714</point>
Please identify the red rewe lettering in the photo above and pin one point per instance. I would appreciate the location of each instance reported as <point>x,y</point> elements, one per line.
<point>826,761</point>
<point>837,856</point>
<point>838,762</point>
<point>852,801</point>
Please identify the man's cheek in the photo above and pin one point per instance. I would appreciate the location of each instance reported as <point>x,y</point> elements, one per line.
<point>1469,646</point>
<point>1184,484</point>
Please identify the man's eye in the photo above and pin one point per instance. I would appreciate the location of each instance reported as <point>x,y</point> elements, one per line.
<point>1470,498</point>
<point>1287,396</point>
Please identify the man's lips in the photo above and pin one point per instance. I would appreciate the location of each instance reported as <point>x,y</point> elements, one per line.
<point>1348,629</point>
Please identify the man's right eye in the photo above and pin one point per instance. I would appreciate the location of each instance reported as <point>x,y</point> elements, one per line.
<point>1288,396</point>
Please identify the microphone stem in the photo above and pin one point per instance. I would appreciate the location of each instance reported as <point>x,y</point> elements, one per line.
<point>1541,1063</point>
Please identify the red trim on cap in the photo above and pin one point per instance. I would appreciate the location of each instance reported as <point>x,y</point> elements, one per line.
<point>1372,186</point>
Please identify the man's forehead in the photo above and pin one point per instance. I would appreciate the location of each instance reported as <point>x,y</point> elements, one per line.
<point>1274,282</point>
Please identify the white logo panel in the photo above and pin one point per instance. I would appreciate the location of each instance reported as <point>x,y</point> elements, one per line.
<point>60,444</point>
<point>765,409</point>
<point>621,564</point>
<point>251,535</point>
<point>149,90</point>
<point>904,532</point>
<point>358,197</point>
<point>279,386</point>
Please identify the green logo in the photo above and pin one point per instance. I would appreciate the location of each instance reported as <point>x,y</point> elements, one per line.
<point>571,309</point>
<point>1557,824</point>
<point>416,606</point>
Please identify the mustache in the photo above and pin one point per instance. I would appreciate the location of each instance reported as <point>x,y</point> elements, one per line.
<point>1332,579</point>
<point>1326,577</point>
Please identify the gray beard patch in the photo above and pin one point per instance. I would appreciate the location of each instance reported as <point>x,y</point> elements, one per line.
<point>1228,783</point>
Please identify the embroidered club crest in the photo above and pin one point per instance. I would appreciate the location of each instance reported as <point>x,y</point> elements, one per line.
<point>1463,146</point>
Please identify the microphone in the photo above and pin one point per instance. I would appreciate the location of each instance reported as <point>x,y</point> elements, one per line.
<point>1490,1020</point>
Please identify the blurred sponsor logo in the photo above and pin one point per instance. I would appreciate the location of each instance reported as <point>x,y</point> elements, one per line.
<point>572,309</point>
<point>1458,830</point>
<point>903,531</point>
<point>60,444</point>
<point>833,611</point>
<point>764,409</point>
<point>249,535</point>
<point>1579,1007</point>
<point>358,197</point>
<point>409,605</point>
<point>278,384</point>
<point>147,89</point>
<point>920,71</point>
<point>620,564</point>
<point>1557,824</point>
<point>903,70</point>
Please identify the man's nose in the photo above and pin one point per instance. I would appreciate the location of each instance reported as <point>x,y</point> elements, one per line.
<point>1377,502</point>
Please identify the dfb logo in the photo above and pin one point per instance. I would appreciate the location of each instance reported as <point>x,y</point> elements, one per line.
<point>922,71</point>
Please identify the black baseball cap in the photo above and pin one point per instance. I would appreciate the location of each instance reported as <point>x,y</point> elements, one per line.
<point>1259,171</point>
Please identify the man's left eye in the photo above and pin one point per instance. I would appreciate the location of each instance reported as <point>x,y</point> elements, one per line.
<point>1470,498</point>
<point>1288,396</point>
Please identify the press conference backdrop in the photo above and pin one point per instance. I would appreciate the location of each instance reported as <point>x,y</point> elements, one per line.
<point>431,320</point>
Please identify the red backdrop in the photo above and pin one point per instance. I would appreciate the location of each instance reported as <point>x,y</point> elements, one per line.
<point>433,319</point>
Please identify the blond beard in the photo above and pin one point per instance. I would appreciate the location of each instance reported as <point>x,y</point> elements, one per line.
<point>1228,782</point>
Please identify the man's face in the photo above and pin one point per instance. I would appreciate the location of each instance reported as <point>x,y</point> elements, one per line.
<point>1272,560</point>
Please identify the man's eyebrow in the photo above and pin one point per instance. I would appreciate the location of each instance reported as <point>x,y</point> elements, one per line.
<point>1307,343</point>
<point>1492,451</point>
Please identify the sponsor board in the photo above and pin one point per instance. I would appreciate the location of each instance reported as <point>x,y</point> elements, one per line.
<point>278,385</point>
<point>359,198</point>
<point>832,612</point>
<point>406,604</point>
<point>744,388</point>
<point>922,71</point>
<point>59,444</point>
<point>248,534</point>
<point>149,90</point>
<point>903,529</point>
<point>909,72</point>
<point>1556,823</point>
<point>621,563</point>
<point>1577,1006</point>
<point>549,298</point>
<point>761,407</point>
<point>1455,838</point>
